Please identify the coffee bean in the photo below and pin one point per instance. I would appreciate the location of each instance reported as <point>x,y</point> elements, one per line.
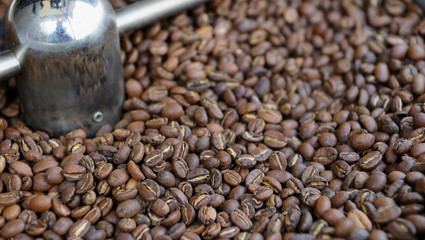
<point>387,125</point>
<point>128,208</point>
<point>401,229</point>
<point>232,178</point>
<point>198,176</point>
<point>79,228</point>
<point>73,172</point>
<point>40,203</point>
<point>325,155</point>
<point>118,177</point>
<point>274,139</point>
<point>188,213</point>
<point>361,140</point>
<point>263,193</point>
<point>190,236</point>
<point>310,196</point>
<point>20,168</point>
<point>10,198</point>
<point>376,182</point>
<point>12,228</point>
<point>370,160</point>
<point>245,161</point>
<point>172,111</point>
<point>360,219</point>
<point>149,190</point>
<point>239,218</point>
<point>333,216</point>
<point>160,208</point>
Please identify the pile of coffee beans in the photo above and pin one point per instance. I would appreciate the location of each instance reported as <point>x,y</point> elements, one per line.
<point>244,119</point>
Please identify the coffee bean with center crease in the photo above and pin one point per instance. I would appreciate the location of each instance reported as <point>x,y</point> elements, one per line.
<point>401,229</point>
<point>198,176</point>
<point>239,218</point>
<point>149,190</point>
<point>325,155</point>
<point>370,160</point>
<point>10,198</point>
<point>245,161</point>
<point>232,178</point>
<point>274,139</point>
<point>73,172</point>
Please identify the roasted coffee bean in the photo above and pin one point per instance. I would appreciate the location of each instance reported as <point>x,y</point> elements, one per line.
<point>198,176</point>
<point>341,169</point>
<point>349,157</point>
<point>188,213</point>
<point>361,140</point>
<point>376,182</point>
<point>149,190</point>
<point>154,158</point>
<point>333,216</point>
<point>118,177</point>
<point>12,228</point>
<point>263,193</point>
<point>200,200</point>
<point>40,203</point>
<point>310,196</point>
<point>360,219</point>
<point>20,168</point>
<point>207,215</point>
<point>316,182</point>
<point>245,161</point>
<point>239,218</point>
<point>325,155</point>
<point>218,141</point>
<point>79,228</point>
<point>232,178</point>
<point>73,172</point>
<point>10,198</point>
<point>401,229</point>
<point>370,160</point>
<point>274,139</point>
<point>278,160</point>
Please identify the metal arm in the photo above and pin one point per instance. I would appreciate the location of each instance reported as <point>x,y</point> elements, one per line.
<point>146,12</point>
<point>9,65</point>
<point>128,18</point>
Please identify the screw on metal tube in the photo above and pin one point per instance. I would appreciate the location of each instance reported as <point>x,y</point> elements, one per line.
<point>97,117</point>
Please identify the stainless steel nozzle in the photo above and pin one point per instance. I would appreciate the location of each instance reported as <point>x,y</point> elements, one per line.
<point>66,56</point>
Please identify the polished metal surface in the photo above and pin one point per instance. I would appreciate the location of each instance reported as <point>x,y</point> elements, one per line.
<point>71,67</point>
<point>9,65</point>
<point>146,12</point>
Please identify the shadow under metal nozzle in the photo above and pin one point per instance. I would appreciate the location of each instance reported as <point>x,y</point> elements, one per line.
<point>65,55</point>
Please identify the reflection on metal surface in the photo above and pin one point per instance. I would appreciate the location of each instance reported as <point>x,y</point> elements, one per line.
<point>9,65</point>
<point>59,21</point>
<point>64,23</point>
